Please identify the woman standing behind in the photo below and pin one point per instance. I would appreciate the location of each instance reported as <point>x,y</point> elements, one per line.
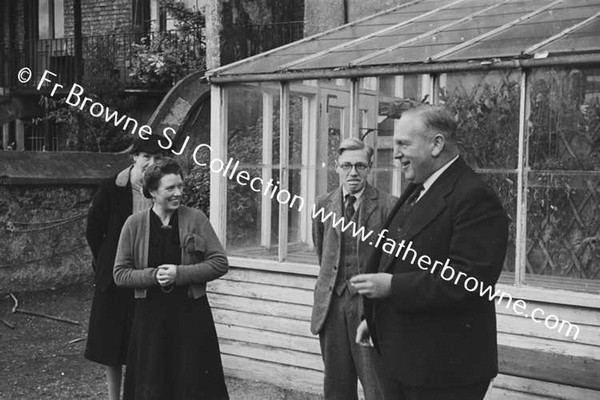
<point>112,307</point>
<point>167,254</point>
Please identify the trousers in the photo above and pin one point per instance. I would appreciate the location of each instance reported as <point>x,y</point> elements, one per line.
<point>344,360</point>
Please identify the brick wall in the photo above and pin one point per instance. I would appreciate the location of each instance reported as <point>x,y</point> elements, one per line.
<point>100,17</point>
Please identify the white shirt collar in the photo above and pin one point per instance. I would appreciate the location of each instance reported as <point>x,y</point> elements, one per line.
<point>358,196</point>
<point>433,177</point>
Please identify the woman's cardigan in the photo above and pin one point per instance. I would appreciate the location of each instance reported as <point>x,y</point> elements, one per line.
<point>203,258</point>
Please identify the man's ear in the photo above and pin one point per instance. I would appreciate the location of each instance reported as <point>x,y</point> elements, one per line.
<point>438,142</point>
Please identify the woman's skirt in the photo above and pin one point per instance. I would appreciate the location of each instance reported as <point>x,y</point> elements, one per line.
<point>109,327</point>
<point>174,352</point>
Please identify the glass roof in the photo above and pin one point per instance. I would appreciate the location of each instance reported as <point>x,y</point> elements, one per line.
<point>435,31</point>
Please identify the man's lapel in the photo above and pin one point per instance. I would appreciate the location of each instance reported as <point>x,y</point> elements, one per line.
<point>334,204</point>
<point>426,209</point>
<point>385,262</point>
<point>367,205</point>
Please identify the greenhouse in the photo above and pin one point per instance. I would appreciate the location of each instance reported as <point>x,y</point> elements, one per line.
<point>523,78</point>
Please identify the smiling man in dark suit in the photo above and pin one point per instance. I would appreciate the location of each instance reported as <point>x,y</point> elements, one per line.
<point>437,339</point>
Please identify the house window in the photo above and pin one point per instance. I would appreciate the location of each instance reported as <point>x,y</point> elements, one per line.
<point>141,16</point>
<point>51,21</point>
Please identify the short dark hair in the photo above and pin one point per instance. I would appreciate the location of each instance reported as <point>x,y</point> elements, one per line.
<point>155,172</point>
<point>436,118</point>
<point>149,145</point>
<point>356,144</point>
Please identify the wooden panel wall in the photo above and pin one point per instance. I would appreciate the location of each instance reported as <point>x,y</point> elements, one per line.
<point>263,319</point>
<point>263,323</point>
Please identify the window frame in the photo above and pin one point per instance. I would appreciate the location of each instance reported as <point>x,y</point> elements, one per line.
<point>518,286</point>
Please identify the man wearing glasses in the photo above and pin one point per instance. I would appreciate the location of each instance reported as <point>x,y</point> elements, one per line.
<point>342,254</point>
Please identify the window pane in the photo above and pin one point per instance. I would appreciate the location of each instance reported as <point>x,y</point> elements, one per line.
<point>565,119</point>
<point>563,222</point>
<point>487,105</point>
<point>252,215</point>
<point>299,224</point>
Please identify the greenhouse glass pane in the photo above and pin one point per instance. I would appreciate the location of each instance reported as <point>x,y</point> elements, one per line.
<point>563,187</point>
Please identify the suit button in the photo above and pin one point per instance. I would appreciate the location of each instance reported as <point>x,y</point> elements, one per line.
<point>330,288</point>
<point>335,268</point>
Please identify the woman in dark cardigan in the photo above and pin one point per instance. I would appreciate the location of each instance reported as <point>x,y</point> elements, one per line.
<point>167,254</point>
<point>112,307</point>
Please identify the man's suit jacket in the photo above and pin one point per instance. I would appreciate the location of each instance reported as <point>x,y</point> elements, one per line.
<point>431,332</point>
<point>373,211</point>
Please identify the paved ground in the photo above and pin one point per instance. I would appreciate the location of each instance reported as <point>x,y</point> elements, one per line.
<point>42,359</point>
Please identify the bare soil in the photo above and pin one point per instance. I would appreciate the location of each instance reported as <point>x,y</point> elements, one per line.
<point>43,359</point>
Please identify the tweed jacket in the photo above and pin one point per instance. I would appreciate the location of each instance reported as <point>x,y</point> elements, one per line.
<point>432,331</point>
<point>203,258</point>
<point>373,210</point>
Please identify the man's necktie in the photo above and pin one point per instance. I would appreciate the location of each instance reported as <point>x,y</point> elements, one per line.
<point>349,207</point>
<point>412,199</point>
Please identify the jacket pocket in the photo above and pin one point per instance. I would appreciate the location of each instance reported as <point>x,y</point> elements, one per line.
<point>195,246</point>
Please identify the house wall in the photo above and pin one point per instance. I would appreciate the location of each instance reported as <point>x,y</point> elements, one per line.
<point>100,17</point>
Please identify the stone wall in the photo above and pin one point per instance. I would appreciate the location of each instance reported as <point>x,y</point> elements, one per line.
<point>42,236</point>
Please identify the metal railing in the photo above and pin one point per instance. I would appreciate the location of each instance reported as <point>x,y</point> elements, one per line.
<point>104,56</point>
<point>112,56</point>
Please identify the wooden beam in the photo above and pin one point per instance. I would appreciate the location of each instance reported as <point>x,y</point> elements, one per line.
<point>264,292</point>
<point>218,143</point>
<point>550,367</point>
<point>272,339</point>
<point>260,307</point>
<point>515,386</point>
<point>270,278</point>
<point>522,172</point>
<point>354,108</point>
<point>267,169</point>
<point>284,156</point>
<point>308,171</point>
<point>265,322</point>
<point>582,60</point>
<point>276,266</point>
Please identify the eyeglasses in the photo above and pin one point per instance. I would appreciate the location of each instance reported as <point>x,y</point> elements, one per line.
<point>360,167</point>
